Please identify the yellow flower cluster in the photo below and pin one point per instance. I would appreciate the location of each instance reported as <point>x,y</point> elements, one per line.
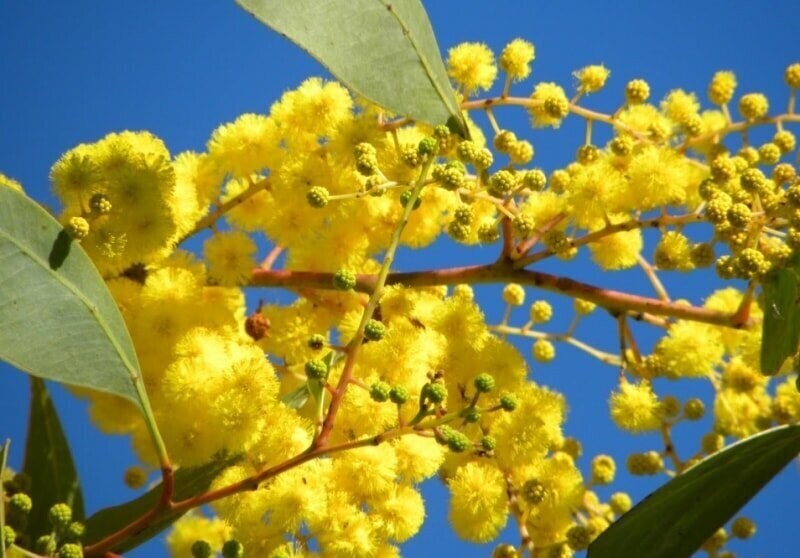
<point>423,385</point>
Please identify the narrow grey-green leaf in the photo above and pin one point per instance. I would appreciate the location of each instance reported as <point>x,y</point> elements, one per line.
<point>188,483</point>
<point>3,457</point>
<point>384,50</point>
<point>57,319</point>
<point>678,517</point>
<point>297,398</point>
<point>48,462</point>
<point>781,326</point>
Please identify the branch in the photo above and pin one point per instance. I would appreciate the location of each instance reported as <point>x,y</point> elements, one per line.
<point>615,302</point>
<point>211,219</point>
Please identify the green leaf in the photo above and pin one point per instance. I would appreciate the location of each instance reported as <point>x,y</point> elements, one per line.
<point>678,517</point>
<point>297,398</point>
<point>188,483</point>
<point>57,319</point>
<point>385,50</point>
<point>48,463</point>
<point>3,457</point>
<point>781,326</point>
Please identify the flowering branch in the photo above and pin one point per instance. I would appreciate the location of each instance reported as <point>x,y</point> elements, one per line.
<point>615,302</point>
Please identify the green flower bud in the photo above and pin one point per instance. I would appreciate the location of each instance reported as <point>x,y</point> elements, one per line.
<point>74,531</point>
<point>316,342</point>
<point>20,503</point>
<point>9,535</point>
<point>316,369</point>
<point>46,545</point>
<point>428,147</point>
<point>484,382</point>
<point>317,196</point>
<point>70,550</point>
<point>509,402</point>
<point>201,549</point>
<point>405,197</point>
<point>379,392</point>
<point>100,204</point>
<point>374,330</point>
<point>135,477</point>
<point>344,280</point>
<point>232,549</point>
<point>743,528</point>
<point>60,515</point>
<point>472,415</point>
<point>533,491</point>
<point>458,441</point>
<point>505,551</point>
<point>488,443</point>
<point>398,395</point>
<point>435,392</point>
<point>694,409</point>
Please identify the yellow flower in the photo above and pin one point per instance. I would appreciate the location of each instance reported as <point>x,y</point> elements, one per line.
<point>592,78</point>
<point>635,408</point>
<point>551,107</point>
<point>516,58</point>
<point>472,66</point>
<point>193,527</point>
<point>617,251</point>
<point>247,145</point>
<point>722,87</point>
<point>230,257</point>
<point>478,502</point>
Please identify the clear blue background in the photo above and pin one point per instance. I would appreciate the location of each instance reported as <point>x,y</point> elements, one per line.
<point>72,72</point>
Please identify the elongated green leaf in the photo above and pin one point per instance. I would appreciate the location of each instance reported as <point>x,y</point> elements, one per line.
<point>57,318</point>
<point>188,483</point>
<point>3,457</point>
<point>781,327</point>
<point>48,463</point>
<point>678,517</point>
<point>383,49</point>
<point>297,398</point>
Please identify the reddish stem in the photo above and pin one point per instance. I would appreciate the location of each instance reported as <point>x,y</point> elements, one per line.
<point>611,300</point>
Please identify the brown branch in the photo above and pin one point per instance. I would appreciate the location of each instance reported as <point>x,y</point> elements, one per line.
<point>500,272</point>
<point>221,209</point>
<point>660,221</point>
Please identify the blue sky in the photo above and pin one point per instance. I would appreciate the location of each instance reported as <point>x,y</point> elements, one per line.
<point>75,71</point>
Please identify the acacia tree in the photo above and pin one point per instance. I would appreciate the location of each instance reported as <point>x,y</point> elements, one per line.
<point>308,426</point>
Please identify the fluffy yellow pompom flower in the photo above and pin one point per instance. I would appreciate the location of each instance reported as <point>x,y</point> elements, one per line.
<point>10,183</point>
<point>192,527</point>
<point>246,145</point>
<point>617,251</point>
<point>516,58</point>
<point>592,78</point>
<point>401,514</point>
<point>478,503</point>
<point>472,66</point>
<point>418,458</point>
<point>230,257</point>
<point>690,349</point>
<point>741,414</point>
<point>678,104</point>
<point>552,106</point>
<point>635,408</point>
<point>75,174</point>
<point>248,215</point>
